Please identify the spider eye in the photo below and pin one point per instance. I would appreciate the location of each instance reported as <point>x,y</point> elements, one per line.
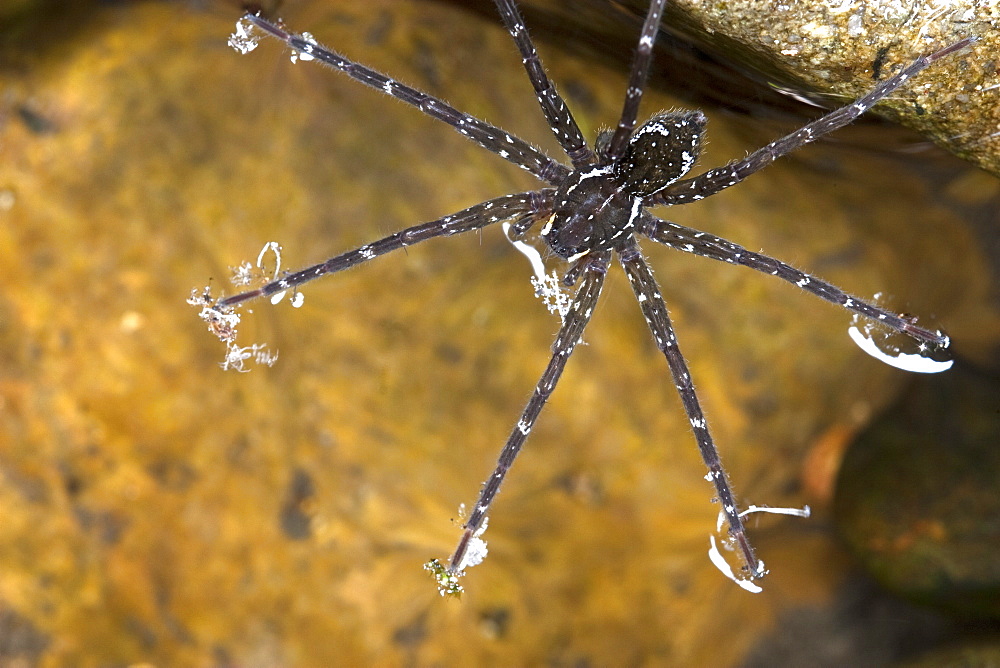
<point>660,152</point>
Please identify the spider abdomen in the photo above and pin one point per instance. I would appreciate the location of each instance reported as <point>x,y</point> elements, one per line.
<point>663,150</point>
<point>591,213</point>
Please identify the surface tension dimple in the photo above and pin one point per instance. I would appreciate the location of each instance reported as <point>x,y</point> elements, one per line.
<point>715,556</point>
<point>547,286</point>
<point>927,359</point>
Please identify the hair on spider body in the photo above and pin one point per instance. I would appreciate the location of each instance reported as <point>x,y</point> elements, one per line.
<point>589,212</point>
<point>661,151</point>
<point>598,209</point>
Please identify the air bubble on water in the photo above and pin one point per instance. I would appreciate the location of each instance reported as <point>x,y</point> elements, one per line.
<point>926,359</point>
<point>244,39</point>
<point>297,300</point>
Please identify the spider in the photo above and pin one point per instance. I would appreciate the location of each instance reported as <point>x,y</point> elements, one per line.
<point>589,212</point>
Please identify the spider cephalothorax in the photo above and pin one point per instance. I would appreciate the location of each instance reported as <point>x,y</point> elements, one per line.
<point>599,206</point>
<point>589,212</point>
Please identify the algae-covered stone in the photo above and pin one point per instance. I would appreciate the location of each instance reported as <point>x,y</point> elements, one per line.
<point>917,497</point>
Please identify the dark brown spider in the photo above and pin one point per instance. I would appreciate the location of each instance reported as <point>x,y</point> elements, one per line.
<point>591,211</point>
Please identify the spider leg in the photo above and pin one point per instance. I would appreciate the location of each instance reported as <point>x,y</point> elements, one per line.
<point>507,146</point>
<point>519,228</point>
<point>712,181</point>
<point>521,206</point>
<point>637,79</point>
<point>594,268</point>
<point>655,310</point>
<point>557,114</point>
<point>710,246</point>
